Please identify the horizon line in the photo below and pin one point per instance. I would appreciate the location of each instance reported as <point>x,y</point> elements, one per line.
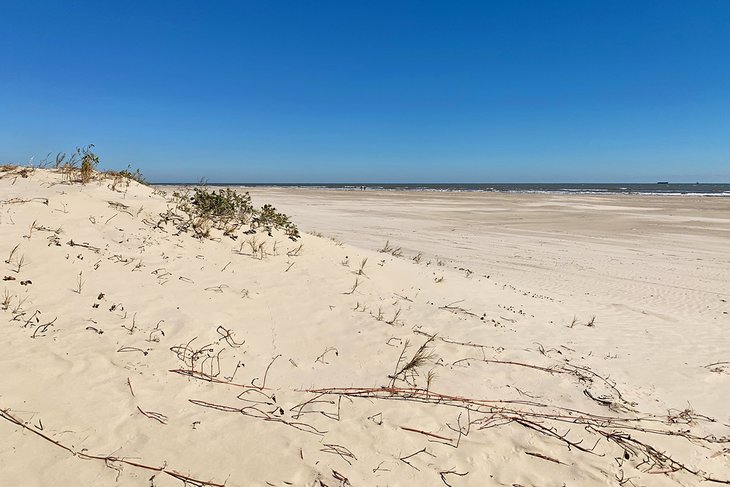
<point>354,183</point>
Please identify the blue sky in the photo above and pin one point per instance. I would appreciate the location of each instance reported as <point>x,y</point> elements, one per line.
<point>320,91</point>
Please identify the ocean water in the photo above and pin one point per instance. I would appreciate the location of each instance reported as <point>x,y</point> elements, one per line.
<point>696,189</point>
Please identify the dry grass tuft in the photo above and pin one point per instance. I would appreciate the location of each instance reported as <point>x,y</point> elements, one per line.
<point>407,370</point>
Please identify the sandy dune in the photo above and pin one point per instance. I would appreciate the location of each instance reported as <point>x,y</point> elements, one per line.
<point>137,355</point>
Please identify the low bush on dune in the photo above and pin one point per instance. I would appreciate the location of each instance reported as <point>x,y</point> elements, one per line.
<point>228,211</point>
<point>125,176</point>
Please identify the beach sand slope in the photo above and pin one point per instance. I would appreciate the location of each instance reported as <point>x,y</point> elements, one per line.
<point>135,354</point>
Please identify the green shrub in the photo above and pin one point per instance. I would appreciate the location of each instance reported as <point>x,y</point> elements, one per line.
<point>268,218</point>
<point>124,177</point>
<point>135,175</point>
<point>228,211</point>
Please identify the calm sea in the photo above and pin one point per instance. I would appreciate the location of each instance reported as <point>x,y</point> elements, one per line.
<point>697,189</point>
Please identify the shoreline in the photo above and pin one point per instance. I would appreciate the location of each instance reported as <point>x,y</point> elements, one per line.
<point>639,189</point>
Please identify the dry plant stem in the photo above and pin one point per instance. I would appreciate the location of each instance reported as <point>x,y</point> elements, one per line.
<point>544,457</point>
<point>255,412</point>
<point>361,270</point>
<point>344,481</point>
<point>534,416</point>
<point>12,252</point>
<point>582,373</point>
<point>7,298</point>
<point>227,335</point>
<point>395,317</point>
<point>193,374</point>
<point>408,457</point>
<point>43,328</point>
<point>340,450</point>
<point>266,373</point>
<point>426,433</point>
<point>299,408</point>
<point>655,458</point>
<point>161,418</point>
<point>21,262</point>
<point>109,460</point>
<point>458,309</point>
<point>443,475</point>
<point>30,232</point>
<point>326,350</point>
<point>354,287</point>
<point>84,245</point>
<point>295,252</point>
<point>20,200</point>
<point>79,284</point>
<point>132,349</point>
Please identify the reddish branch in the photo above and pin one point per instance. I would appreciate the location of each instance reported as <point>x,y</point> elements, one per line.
<point>5,414</point>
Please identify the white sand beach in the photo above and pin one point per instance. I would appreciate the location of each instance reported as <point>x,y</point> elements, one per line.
<point>521,340</point>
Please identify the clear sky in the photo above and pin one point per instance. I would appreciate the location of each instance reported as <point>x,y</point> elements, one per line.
<point>368,91</point>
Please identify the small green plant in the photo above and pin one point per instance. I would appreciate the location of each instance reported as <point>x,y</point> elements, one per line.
<point>124,177</point>
<point>135,175</point>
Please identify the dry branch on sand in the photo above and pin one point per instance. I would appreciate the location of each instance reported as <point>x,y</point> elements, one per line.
<point>110,460</point>
<point>621,433</point>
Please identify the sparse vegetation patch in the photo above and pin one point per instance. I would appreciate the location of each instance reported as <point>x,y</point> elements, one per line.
<point>225,210</point>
